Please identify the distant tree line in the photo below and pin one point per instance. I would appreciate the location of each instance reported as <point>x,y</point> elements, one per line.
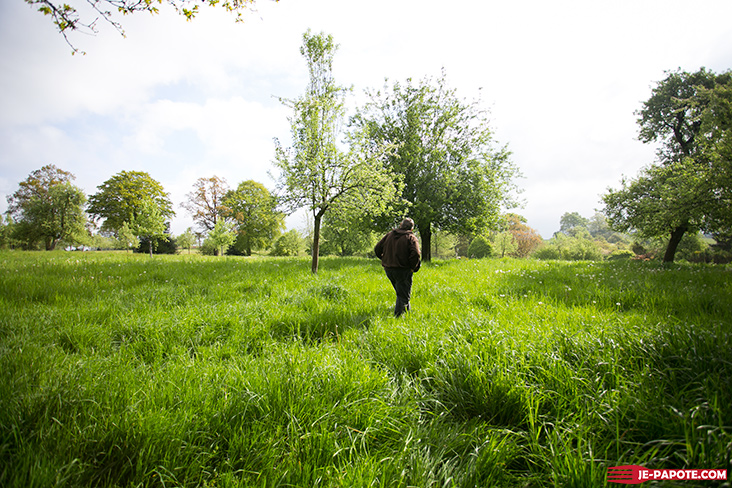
<point>414,149</point>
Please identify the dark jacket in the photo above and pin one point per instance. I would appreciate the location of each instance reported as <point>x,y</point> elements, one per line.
<point>399,249</point>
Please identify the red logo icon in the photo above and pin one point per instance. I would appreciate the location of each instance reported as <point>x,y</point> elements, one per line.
<point>634,475</point>
<point>629,475</point>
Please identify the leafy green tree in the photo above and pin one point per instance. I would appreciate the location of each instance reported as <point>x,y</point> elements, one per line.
<point>186,239</point>
<point>344,234</point>
<point>688,189</point>
<point>221,237</point>
<point>126,237</point>
<point>254,210</point>
<point>315,172</point>
<point>66,17</point>
<point>480,247</point>
<point>205,202</point>
<point>454,177</point>
<point>288,244</point>
<point>125,196</point>
<point>148,223</point>
<point>570,223</point>
<point>48,208</point>
<point>504,243</point>
<point>717,148</point>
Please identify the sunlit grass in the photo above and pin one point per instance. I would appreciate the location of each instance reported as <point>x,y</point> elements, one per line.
<point>121,370</point>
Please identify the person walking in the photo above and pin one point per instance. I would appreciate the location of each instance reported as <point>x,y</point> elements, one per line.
<point>401,258</point>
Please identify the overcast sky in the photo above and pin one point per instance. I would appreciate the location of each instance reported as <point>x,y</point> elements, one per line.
<point>183,100</point>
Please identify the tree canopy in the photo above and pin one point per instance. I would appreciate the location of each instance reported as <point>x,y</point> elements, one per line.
<point>122,199</point>
<point>148,222</point>
<point>315,172</point>
<point>204,203</point>
<point>454,177</point>
<point>253,209</point>
<point>571,222</point>
<point>688,188</point>
<point>79,15</point>
<point>47,207</point>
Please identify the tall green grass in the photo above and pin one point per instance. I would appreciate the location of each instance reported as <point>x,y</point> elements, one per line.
<point>121,370</point>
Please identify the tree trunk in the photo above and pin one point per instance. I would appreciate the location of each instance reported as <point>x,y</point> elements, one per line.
<point>316,243</point>
<point>425,232</point>
<point>673,243</point>
<point>150,246</point>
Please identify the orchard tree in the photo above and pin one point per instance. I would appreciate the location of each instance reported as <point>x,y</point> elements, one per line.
<point>454,177</point>
<point>689,187</point>
<point>221,237</point>
<point>67,18</point>
<point>186,239</point>
<point>125,197</point>
<point>254,210</point>
<point>204,203</point>
<point>315,172</point>
<point>48,208</point>
<point>148,223</point>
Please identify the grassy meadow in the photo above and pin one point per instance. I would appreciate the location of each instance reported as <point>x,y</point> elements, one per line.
<point>119,370</point>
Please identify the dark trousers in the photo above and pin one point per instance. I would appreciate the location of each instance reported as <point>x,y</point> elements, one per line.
<point>401,280</point>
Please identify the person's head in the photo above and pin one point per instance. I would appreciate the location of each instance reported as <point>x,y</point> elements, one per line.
<point>407,224</point>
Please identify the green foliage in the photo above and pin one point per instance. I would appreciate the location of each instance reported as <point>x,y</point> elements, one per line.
<point>164,244</point>
<point>454,178</point>
<point>315,173</point>
<point>47,209</point>
<point>344,233</point>
<point>5,229</point>
<point>288,244</point>
<point>480,247</point>
<point>254,209</point>
<point>571,223</point>
<point>446,245</point>
<point>126,237</point>
<point>689,188</point>
<point>66,18</point>
<point>569,249</point>
<point>131,197</point>
<point>148,223</point>
<point>186,240</point>
<point>221,237</point>
<point>504,243</point>
<point>620,254</point>
<point>117,370</point>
